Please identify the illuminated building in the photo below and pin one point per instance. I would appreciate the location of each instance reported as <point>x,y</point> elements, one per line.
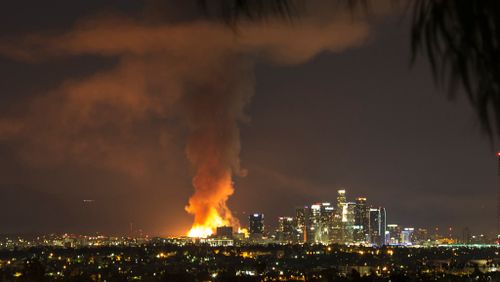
<point>341,197</point>
<point>361,220</point>
<point>321,222</point>
<point>338,226</point>
<point>327,217</point>
<point>394,234</point>
<point>256,224</point>
<point>406,236</point>
<point>479,239</point>
<point>302,217</point>
<point>377,226</point>
<point>224,232</point>
<point>348,222</point>
<point>314,229</point>
<point>217,242</point>
<point>286,230</point>
<point>420,236</point>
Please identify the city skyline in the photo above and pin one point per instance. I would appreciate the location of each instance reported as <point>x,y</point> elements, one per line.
<point>349,112</point>
<point>355,222</point>
<point>272,225</point>
<point>250,140</point>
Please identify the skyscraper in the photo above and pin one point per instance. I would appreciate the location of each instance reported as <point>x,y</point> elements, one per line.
<point>341,197</point>
<point>377,226</point>
<point>348,222</point>
<point>302,216</point>
<point>286,231</point>
<point>320,223</point>
<point>326,221</point>
<point>361,220</point>
<point>256,224</point>
<point>339,216</point>
<point>314,235</point>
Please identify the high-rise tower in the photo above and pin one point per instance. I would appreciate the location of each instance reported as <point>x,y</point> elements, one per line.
<point>302,223</point>
<point>378,226</point>
<point>286,230</point>
<point>361,220</point>
<point>256,224</point>
<point>339,217</point>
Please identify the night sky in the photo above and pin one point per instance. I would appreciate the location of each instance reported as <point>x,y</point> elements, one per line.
<point>358,117</point>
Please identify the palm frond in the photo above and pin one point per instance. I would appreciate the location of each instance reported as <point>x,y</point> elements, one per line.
<point>460,39</point>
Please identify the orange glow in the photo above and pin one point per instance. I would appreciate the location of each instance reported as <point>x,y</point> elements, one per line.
<point>243,231</point>
<point>208,227</point>
<point>208,204</point>
<point>200,232</point>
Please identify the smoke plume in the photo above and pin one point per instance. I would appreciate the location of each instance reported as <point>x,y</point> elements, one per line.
<point>195,74</point>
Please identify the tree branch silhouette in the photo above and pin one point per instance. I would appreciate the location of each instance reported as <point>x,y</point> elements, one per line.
<point>460,39</point>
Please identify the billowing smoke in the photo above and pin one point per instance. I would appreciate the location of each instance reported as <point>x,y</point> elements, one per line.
<point>214,109</point>
<point>194,74</point>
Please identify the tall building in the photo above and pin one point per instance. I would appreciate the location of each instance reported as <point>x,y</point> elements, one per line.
<point>256,224</point>
<point>320,223</point>
<point>377,226</point>
<point>286,232</point>
<point>361,220</point>
<point>302,224</point>
<point>348,222</point>
<point>314,230</point>
<point>339,217</point>
<point>341,199</point>
<point>327,217</point>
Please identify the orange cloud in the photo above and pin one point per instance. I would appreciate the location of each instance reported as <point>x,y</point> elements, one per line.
<point>198,74</point>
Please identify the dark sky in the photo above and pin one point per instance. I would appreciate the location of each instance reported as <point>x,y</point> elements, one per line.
<point>359,118</point>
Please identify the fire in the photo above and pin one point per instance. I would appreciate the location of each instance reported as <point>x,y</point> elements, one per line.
<point>213,148</point>
<point>200,232</point>
<point>243,231</point>
<point>207,228</point>
<point>208,204</point>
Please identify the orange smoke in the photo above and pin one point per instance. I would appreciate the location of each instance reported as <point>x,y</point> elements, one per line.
<point>208,204</point>
<point>213,149</point>
<point>195,72</point>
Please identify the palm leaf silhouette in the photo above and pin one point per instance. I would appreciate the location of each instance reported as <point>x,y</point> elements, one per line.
<point>459,38</point>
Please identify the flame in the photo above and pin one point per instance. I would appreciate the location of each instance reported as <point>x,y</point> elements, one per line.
<point>208,204</point>
<point>200,232</point>
<point>214,110</point>
<point>243,231</point>
<point>207,228</point>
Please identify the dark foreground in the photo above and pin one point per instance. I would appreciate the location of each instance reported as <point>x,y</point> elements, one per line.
<point>157,261</point>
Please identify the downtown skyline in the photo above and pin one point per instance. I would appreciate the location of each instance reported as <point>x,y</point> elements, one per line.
<point>358,118</point>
